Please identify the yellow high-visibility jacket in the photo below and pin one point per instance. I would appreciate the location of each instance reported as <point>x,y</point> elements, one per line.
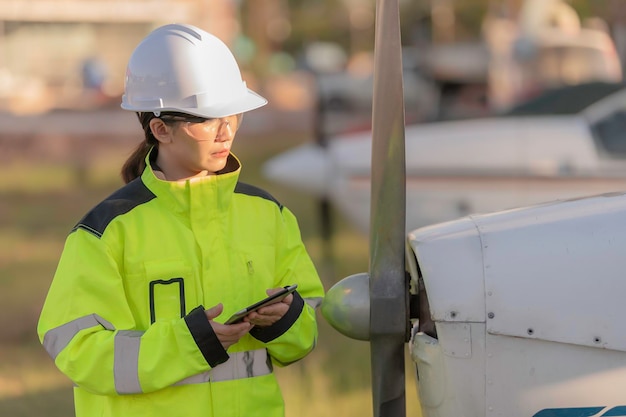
<point>124,317</point>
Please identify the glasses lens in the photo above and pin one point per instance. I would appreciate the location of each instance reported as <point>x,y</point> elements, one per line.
<point>211,126</point>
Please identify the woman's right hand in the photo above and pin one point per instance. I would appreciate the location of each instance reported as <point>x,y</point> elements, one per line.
<point>227,334</point>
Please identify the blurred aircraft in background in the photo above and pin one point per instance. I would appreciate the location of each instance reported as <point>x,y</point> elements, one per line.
<point>570,142</point>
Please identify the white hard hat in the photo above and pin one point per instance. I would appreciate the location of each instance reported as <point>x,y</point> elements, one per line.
<point>185,69</point>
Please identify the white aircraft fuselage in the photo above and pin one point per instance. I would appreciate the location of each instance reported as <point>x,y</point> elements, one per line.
<point>462,167</point>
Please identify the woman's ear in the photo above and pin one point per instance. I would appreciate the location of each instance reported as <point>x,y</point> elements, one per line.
<point>160,130</point>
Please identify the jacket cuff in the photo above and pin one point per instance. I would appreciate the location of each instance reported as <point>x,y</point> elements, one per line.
<point>269,333</point>
<point>204,336</point>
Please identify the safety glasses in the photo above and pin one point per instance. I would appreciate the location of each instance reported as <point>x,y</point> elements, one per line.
<point>210,125</point>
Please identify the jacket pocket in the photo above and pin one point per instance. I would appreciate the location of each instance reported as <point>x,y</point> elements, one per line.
<point>167,300</point>
<point>168,288</point>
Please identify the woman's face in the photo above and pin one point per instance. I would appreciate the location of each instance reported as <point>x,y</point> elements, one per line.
<point>196,147</point>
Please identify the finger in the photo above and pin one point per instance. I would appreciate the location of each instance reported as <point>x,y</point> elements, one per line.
<point>267,317</point>
<point>230,333</point>
<point>263,321</point>
<point>278,309</point>
<point>231,329</point>
<point>271,291</point>
<point>214,311</point>
<point>287,300</point>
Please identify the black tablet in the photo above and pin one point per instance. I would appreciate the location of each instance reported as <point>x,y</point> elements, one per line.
<point>274,298</point>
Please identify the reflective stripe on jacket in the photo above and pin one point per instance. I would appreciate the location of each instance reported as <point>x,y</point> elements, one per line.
<point>124,316</point>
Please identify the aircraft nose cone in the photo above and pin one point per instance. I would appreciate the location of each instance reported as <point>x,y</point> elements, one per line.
<point>305,168</point>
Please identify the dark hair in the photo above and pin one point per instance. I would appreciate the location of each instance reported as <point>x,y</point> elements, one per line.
<point>136,162</point>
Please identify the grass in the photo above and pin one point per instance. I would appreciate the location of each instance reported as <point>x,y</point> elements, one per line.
<point>40,200</point>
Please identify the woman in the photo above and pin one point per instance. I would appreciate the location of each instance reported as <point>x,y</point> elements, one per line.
<point>124,318</point>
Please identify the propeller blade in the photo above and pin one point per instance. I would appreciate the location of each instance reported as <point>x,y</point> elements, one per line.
<point>389,318</point>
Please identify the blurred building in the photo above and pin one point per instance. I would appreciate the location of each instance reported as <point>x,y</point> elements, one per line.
<point>73,53</point>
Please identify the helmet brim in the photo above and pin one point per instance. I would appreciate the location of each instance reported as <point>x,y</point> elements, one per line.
<point>248,102</point>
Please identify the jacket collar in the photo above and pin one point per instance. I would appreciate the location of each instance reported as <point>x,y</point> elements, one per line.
<point>209,195</point>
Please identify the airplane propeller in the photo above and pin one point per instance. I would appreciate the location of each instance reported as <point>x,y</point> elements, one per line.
<point>346,303</point>
<point>389,312</point>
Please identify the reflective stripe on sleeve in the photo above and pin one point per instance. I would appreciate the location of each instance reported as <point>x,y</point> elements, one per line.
<point>126,362</point>
<point>314,302</point>
<point>55,340</point>
<point>240,365</point>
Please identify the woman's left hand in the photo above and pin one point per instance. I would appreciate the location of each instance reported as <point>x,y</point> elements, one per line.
<point>268,315</point>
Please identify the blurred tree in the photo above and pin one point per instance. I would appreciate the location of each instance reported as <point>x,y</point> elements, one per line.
<point>591,8</point>
<point>470,15</point>
<point>318,20</point>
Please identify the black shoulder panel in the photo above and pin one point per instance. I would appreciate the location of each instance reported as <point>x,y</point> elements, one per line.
<point>120,202</point>
<point>248,189</point>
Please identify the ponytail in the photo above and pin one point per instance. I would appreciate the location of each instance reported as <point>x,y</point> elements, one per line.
<point>136,162</point>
